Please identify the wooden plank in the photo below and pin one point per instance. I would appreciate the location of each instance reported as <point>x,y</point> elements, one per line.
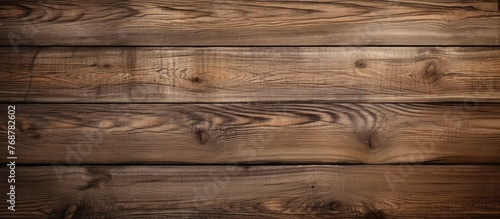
<point>256,192</point>
<point>239,22</point>
<point>250,74</point>
<point>256,133</point>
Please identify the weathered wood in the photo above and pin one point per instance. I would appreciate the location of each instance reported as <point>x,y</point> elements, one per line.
<point>250,74</point>
<point>262,133</point>
<point>243,95</point>
<point>239,22</point>
<point>257,192</point>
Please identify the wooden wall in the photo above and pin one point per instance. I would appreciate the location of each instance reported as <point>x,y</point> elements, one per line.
<point>252,109</point>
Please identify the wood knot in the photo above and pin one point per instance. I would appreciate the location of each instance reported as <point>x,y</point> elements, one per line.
<point>335,205</point>
<point>79,207</point>
<point>27,128</point>
<point>31,129</point>
<point>70,211</point>
<point>100,65</point>
<point>99,177</point>
<point>370,139</point>
<point>431,72</point>
<point>360,64</point>
<point>327,207</point>
<point>203,137</point>
<point>373,143</point>
<point>313,184</point>
<point>196,80</point>
<point>36,136</point>
<point>375,214</point>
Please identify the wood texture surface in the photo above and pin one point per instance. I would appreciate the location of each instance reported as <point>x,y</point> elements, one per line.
<point>258,192</point>
<point>257,133</point>
<point>238,22</point>
<point>250,74</point>
<point>251,109</point>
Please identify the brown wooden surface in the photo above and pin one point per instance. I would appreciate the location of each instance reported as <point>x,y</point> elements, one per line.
<point>250,74</point>
<point>238,22</point>
<point>263,133</point>
<point>326,109</point>
<point>257,192</point>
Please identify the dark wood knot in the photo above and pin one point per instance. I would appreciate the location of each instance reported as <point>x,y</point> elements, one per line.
<point>27,128</point>
<point>431,72</point>
<point>196,80</point>
<point>375,214</point>
<point>100,65</point>
<point>329,206</point>
<point>99,177</point>
<point>203,136</point>
<point>70,211</point>
<point>30,129</point>
<point>360,64</point>
<point>372,143</point>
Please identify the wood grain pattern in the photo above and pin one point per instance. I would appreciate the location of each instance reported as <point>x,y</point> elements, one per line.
<point>257,192</point>
<point>241,109</point>
<point>238,22</point>
<point>250,74</point>
<point>257,133</point>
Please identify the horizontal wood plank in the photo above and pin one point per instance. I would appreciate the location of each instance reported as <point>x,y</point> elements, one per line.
<point>239,22</point>
<point>256,192</point>
<point>260,74</point>
<point>256,133</point>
